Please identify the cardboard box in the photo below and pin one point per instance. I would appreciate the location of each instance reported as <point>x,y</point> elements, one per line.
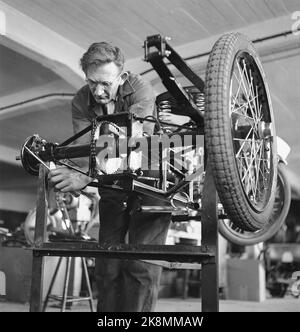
<point>16,269</point>
<point>246,280</point>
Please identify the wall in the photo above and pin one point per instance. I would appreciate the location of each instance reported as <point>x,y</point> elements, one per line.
<point>17,200</point>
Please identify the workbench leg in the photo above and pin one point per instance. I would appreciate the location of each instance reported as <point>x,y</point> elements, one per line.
<point>36,284</point>
<point>39,238</point>
<point>209,237</point>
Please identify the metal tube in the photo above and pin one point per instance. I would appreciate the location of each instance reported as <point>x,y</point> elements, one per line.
<point>157,209</point>
<point>68,152</point>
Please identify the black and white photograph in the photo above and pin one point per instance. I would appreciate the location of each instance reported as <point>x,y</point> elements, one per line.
<point>149,159</point>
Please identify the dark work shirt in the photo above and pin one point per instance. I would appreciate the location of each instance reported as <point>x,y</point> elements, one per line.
<point>135,96</point>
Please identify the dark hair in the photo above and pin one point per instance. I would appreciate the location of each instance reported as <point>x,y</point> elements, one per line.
<point>101,53</point>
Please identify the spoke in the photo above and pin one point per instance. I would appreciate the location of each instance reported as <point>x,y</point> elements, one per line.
<point>252,99</point>
<point>265,168</point>
<point>261,159</point>
<point>258,118</point>
<point>245,140</point>
<point>252,159</point>
<point>246,179</point>
<point>245,89</point>
<point>245,167</point>
<point>239,86</point>
<point>243,106</point>
<point>252,163</point>
<point>242,77</point>
<point>252,174</point>
<point>252,155</point>
<point>258,167</point>
<point>250,83</point>
<point>257,104</point>
<point>247,158</point>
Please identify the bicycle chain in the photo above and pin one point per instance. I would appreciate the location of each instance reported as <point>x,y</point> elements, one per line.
<point>93,161</point>
<point>92,168</point>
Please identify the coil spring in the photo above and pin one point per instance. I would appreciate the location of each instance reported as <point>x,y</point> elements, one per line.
<point>165,106</point>
<point>199,101</point>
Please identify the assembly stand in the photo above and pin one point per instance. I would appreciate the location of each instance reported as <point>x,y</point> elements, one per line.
<point>177,255</point>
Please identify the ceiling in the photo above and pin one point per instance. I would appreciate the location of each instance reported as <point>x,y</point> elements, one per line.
<point>41,42</point>
<point>128,22</point>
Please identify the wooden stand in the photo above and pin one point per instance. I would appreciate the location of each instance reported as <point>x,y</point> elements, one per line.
<point>206,254</point>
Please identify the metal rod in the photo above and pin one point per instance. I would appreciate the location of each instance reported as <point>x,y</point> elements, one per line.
<point>138,118</point>
<point>37,158</point>
<point>157,209</point>
<point>74,168</point>
<point>160,194</point>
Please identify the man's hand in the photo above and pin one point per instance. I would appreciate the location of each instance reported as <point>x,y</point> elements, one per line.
<point>67,180</point>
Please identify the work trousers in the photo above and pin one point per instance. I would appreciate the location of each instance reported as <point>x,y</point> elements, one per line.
<point>126,285</point>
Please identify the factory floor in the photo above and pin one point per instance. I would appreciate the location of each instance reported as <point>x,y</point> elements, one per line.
<point>286,304</point>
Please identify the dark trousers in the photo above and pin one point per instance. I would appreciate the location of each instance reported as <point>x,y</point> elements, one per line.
<point>128,285</point>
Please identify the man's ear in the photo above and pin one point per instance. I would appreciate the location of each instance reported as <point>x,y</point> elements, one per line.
<point>124,77</point>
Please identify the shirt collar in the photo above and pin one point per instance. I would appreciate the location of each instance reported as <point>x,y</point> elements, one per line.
<point>126,88</point>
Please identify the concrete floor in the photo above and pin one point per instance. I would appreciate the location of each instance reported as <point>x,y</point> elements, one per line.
<point>286,304</point>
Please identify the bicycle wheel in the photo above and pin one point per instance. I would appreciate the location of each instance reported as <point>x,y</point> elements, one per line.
<point>281,208</point>
<point>240,132</point>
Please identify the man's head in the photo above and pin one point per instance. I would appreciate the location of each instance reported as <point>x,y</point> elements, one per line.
<point>103,66</point>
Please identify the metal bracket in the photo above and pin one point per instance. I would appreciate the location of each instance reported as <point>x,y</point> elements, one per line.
<point>156,59</point>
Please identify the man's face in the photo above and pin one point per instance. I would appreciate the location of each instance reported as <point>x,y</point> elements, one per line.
<point>104,81</point>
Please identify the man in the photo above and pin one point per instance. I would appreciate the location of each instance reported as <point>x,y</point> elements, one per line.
<point>123,285</point>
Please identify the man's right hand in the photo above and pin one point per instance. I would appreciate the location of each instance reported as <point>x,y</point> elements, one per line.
<point>67,180</point>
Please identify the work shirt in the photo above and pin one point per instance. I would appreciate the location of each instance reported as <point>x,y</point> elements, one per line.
<point>135,96</point>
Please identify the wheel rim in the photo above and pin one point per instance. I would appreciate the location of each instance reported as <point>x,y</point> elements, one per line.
<point>277,210</point>
<point>252,131</point>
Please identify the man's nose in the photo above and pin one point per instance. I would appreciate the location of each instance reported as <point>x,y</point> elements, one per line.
<point>99,90</point>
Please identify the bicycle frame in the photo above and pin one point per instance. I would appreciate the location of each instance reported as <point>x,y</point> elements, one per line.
<point>132,180</point>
